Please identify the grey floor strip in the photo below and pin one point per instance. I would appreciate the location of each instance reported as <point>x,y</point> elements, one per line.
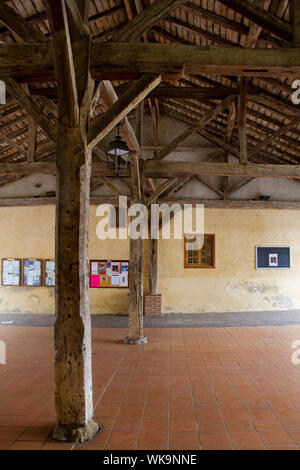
<point>197,320</point>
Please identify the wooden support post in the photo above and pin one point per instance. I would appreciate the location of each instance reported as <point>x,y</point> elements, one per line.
<point>243,121</point>
<point>136,330</point>
<point>153,266</point>
<point>296,23</point>
<point>72,329</point>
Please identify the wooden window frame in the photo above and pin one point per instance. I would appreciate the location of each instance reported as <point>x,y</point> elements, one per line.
<point>201,266</point>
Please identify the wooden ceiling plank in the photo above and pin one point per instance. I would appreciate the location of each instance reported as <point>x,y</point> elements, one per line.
<point>263,18</point>
<point>18,25</point>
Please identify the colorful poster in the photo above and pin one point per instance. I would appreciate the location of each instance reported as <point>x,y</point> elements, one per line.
<point>115,267</point>
<point>95,280</point>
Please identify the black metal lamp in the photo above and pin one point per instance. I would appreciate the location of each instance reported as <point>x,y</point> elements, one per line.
<point>117,154</point>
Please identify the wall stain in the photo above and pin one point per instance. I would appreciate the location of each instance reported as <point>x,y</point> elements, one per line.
<point>280,301</point>
<point>252,288</point>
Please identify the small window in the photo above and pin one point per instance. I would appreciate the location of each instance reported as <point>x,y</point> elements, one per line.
<point>199,253</point>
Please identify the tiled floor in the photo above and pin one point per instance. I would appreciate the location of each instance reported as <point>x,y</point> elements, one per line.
<point>201,388</point>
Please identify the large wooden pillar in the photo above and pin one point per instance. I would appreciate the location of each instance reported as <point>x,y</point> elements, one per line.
<point>136,266</point>
<point>72,330</point>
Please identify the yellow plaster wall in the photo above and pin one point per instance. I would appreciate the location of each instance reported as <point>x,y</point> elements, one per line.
<point>235,284</point>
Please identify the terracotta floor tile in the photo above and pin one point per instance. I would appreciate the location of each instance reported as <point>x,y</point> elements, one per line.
<point>26,445</point>
<point>295,435</point>
<point>122,440</point>
<point>267,425</point>
<point>153,439</point>
<point>214,441</point>
<point>275,438</point>
<point>10,433</point>
<point>149,425</point>
<point>245,440</point>
<point>184,440</point>
<point>188,425</point>
<point>239,426</point>
<point>211,426</point>
<point>282,447</point>
<point>36,434</point>
<point>290,424</point>
<point>5,445</point>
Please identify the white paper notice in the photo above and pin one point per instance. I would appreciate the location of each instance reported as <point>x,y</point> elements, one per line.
<point>115,280</point>
<point>94,268</point>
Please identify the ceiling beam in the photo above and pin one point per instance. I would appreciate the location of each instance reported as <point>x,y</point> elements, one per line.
<point>103,124</point>
<point>209,116</point>
<point>159,169</point>
<point>141,23</point>
<point>107,59</point>
<point>31,108</point>
<point>261,17</point>
<point>19,26</point>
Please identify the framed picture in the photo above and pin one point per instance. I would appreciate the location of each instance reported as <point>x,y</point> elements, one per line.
<point>32,272</point>
<point>273,257</point>
<point>11,272</point>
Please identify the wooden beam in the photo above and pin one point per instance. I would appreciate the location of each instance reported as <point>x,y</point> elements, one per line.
<point>64,66</point>
<point>240,185</point>
<point>209,186</point>
<point>35,61</point>
<point>209,116</point>
<point>209,204</point>
<point>159,169</point>
<point>242,127</point>
<point>106,122</point>
<point>108,98</point>
<point>31,108</point>
<point>194,60</point>
<point>265,19</point>
<point>19,26</point>
<point>148,17</point>
<point>107,182</point>
<point>296,22</point>
<point>255,29</point>
<point>77,18</point>
<point>274,136</point>
<point>32,133</point>
<point>221,143</point>
<point>159,191</point>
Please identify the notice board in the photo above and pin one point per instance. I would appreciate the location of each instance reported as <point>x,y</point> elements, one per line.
<point>32,272</point>
<point>273,257</point>
<point>109,273</point>
<point>11,272</point>
<point>49,273</point>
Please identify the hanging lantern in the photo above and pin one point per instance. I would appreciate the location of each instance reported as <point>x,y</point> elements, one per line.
<point>117,154</point>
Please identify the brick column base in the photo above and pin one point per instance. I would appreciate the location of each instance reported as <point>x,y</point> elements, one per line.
<point>152,304</point>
